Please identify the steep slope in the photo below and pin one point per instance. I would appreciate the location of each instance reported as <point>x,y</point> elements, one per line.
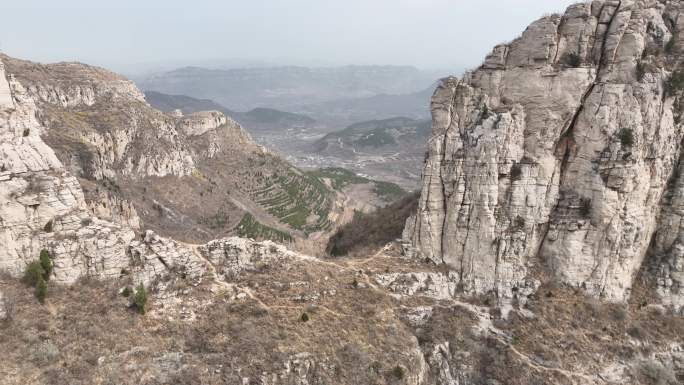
<point>552,160</point>
<point>235,311</point>
<point>104,132</point>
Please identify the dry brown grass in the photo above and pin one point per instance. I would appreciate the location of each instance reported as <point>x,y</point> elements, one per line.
<point>85,334</point>
<point>356,333</point>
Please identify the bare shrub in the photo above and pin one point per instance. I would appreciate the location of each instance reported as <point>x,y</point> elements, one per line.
<point>44,353</point>
<point>7,307</point>
<point>654,373</point>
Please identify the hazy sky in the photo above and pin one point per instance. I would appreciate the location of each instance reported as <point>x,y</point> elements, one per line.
<point>128,35</point>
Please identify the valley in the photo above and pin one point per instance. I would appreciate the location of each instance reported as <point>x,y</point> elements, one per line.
<point>521,223</point>
<point>393,150</point>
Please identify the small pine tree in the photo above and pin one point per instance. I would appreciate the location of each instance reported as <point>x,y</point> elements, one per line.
<point>626,136</point>
<point>398,372</point>
<point>140,299</point>
<point>669,46</point>
<point>304,317</point>
<point>516,172</point>
<point>585,207</point>
<point>41,290</point>
<point>126,292</point>
<point>572,59</point>
<point>34,271</point>
<point>46,264</point>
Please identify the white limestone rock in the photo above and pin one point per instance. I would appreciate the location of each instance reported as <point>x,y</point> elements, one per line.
<point>231,256</point>
<point>527,172</point>
<point>201,122</point>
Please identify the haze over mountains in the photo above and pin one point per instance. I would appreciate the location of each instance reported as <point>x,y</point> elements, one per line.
<point>331,95</point>
<point>290,108</point>
<point>148,239</point>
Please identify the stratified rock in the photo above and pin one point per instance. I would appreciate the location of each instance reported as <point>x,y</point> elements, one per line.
<point>552,158</point>
<point>42,205</point>
<point>201,122</point>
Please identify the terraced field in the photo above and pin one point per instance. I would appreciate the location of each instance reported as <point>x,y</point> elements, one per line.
<point>300,200</point>
<point>249,227</point>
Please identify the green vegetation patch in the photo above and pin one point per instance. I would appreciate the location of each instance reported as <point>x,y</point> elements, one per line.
<point>297,199</point>
<point>249,227</point>
<point>389,192</point>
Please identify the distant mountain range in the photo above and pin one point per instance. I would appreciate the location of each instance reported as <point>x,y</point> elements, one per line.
<point>256,120</point>
<point>340,113</point>
<point>336,96</point>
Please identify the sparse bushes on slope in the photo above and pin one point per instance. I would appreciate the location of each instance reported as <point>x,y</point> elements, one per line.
<point>674,84</point>
<point>654,373</point>
<point>41,290</point>
<point>626,136</point>
<point>126,292</point>
<point>572,59</point>
<point>398,372</point>
<point>46,263</point>
<point>372,230</point>
<point>37,274</point>
<point>34,272</point>
<point>585,207</point>
<point>140,299</point>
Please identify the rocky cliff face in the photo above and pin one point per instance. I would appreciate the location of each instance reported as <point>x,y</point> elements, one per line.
<point>42,204</point>
<point>558,157</point>
<point>101,126</point>
<point>140,167</point>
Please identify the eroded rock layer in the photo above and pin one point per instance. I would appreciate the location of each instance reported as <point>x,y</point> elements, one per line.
<point>552,159</point>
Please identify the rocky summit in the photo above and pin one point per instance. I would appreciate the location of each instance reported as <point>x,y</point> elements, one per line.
<point>559,158</point>
<point>544,247</point>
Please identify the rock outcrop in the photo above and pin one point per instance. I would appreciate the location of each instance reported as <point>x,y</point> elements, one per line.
<point>201,122</point>
<point>101,126</point>
<point>43,206</point>
<point>552,159</point>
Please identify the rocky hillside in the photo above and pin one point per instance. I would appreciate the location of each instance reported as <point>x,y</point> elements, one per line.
<point>558,159</point>
<point>146,163</point>
<point>257,120</point>
<point>552,181</point>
